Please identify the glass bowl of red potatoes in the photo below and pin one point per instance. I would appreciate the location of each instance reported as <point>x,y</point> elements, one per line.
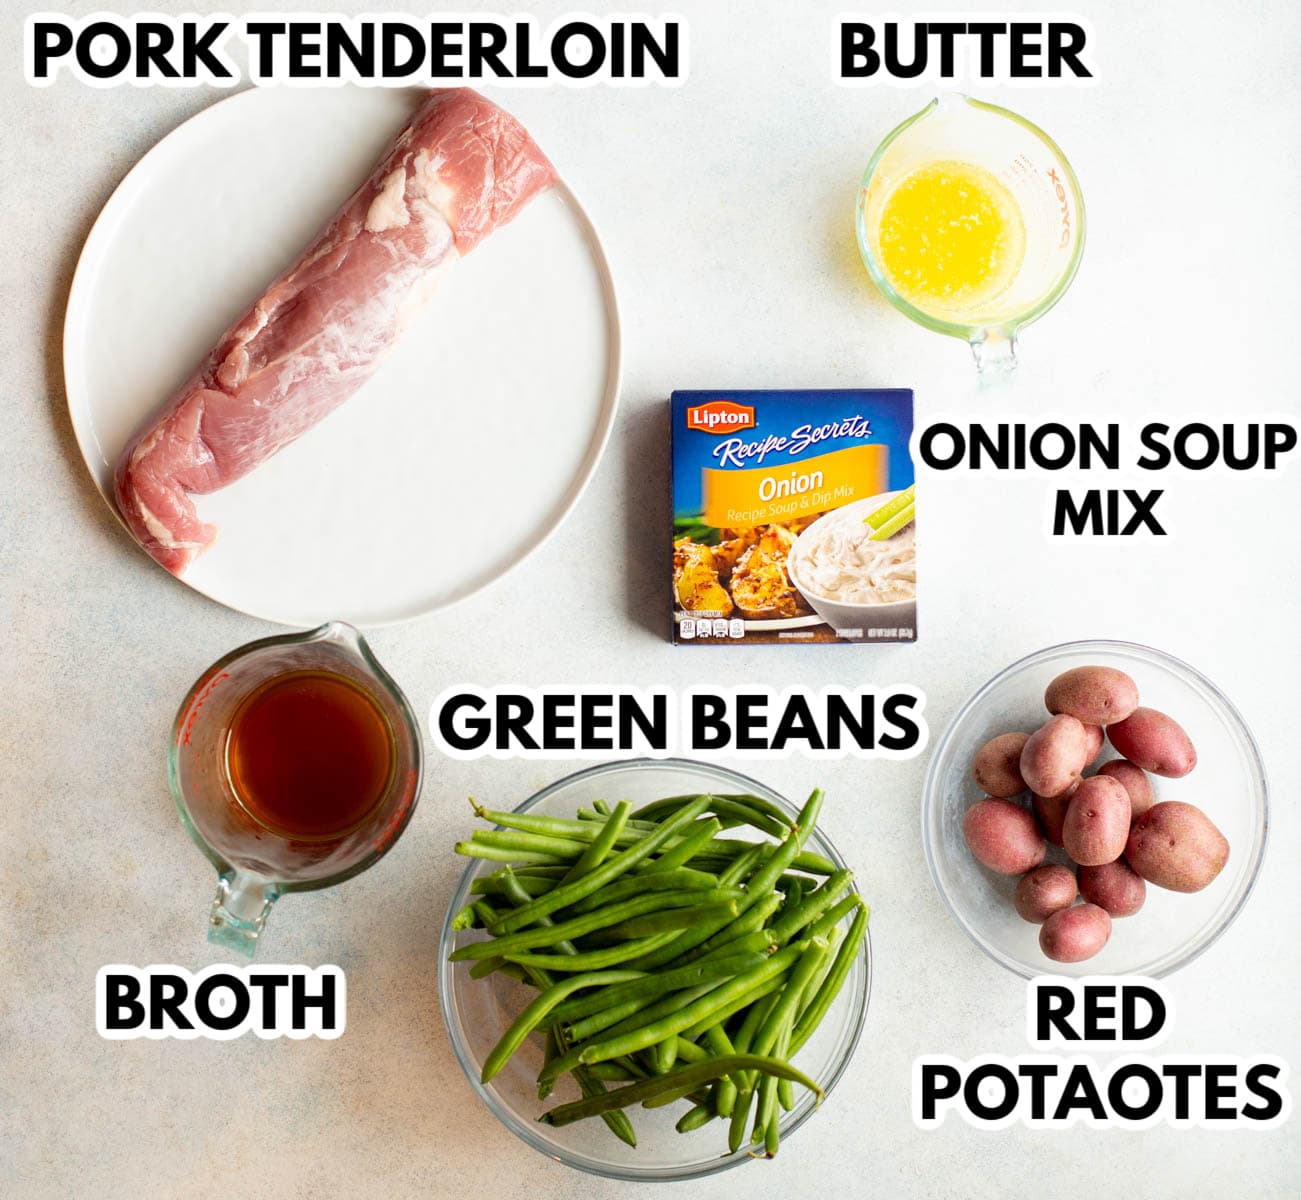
<point>1097,808</point>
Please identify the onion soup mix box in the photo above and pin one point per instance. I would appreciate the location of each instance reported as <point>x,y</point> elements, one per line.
<point>793,517</point>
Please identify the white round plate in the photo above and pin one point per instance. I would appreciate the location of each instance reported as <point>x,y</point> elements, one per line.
<point>460,456</point>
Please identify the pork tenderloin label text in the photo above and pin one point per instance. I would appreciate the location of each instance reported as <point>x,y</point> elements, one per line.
<point>389,50</point>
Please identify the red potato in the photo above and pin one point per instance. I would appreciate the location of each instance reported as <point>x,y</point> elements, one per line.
<point>1095,737</point>
<point>1050,812</point>
<point>1154,742</point>
<point>1177,846</point>
<point>1043,891</point>
<point>1115,886</point>
<point>1076,933</point>
<point>1055,755</point>
<point>1094,695</point>
<point>1134,780</point>
<point>997,765</point>
<point>1003,836</point>
<point>1097,822</point>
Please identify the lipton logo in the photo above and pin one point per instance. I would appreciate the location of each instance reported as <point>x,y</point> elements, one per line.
<point>720,416</point>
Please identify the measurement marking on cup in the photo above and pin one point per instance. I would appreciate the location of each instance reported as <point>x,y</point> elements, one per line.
<point>1066,207</point>
<point>193,715</point>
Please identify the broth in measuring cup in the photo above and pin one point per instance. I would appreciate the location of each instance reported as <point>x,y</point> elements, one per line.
<point>309,754</point>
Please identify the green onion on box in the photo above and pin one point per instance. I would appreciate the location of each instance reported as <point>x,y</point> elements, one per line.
<point>893,516</point>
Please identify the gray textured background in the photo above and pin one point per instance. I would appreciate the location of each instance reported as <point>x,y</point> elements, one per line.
<point>725,207</point>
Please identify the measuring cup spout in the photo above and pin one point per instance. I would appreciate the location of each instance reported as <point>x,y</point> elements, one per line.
<point>239,911</point>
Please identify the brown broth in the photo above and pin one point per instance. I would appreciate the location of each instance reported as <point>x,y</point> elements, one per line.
<point>309,754</point>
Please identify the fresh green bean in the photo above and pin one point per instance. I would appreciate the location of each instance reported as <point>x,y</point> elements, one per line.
<point>690,845</point>
<point>652,987</point>
<point>612,1072</point>
<point>465,918</point>
<point>811,907</point>
<point>741,866</point>
<point>749,1028</point>
<point>638,885</point>
<point>491,885</point>
<point>666,1055</point>
<point>536,1012</point>
<point>754,918</point>
<point>602,844</point>
<point>530,939</point>
<point>593,960</point>
<point>740,1116</point>
<point>813,1013</point>
<point>602,807</point>
<point>472,849</point>
<point>591,1087</point>
<point>695,1118</point>
<point>529,843</point>
<point>758,941</point>
<point>673,918</point>
<point>718,1043</point>
<point>834,915</point>
<point>778,819</point>
<point>759,885</point>
<point>633,1014</point>
<point>733,1007</point>
<point>557,1042</point>
<point>689,1014</point>
<point>517,895</point>
<point>571,892</point>
<point>788,1000</point>
<point>486,966</point>
<point>690,939</point>
<point>687,1077</point>
<point>765,1109</point>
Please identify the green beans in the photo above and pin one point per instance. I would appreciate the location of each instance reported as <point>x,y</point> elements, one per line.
<point>530,939</point>
<point>533,1015</point>
<point>695,1117</point>
<point>680,918</point>
<point>654,986</point>
<point>811,907</point>
<point>835,980</point>
<point>688,1077</point>
<point>691,845</point>
<point>688,1015</point>
<point>575,890</point>
<point>602,844</point>
<point>590,960</point>
<point>674,961</point>
<point>492,885</point>
<point>681,879</point>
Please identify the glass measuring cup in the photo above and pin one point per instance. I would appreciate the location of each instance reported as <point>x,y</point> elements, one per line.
<point>255,864</point>
<point>1029,164</point>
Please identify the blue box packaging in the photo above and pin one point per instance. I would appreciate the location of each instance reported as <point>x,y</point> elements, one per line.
<point>793,517</point>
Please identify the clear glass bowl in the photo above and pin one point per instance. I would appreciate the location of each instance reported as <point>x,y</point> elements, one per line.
<point>477,1011</point>
<point>1228,784</point>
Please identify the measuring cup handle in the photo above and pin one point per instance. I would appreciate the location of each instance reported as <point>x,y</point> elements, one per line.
<point>239,911</point>
<point>995,354</point>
